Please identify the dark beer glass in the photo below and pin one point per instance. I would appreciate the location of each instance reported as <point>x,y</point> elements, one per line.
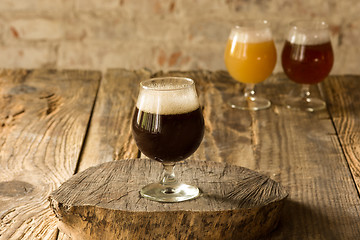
<point>168,126</point>
<point>307,58</point>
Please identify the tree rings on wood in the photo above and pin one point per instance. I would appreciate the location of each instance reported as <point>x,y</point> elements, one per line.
<point>103,202</point>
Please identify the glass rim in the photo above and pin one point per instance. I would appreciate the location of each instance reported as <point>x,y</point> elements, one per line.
<point>309,24</point>
<point>187,83</point>
<point>252,24</point>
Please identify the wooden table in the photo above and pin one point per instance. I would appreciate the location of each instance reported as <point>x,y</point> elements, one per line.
<point>54,124</point>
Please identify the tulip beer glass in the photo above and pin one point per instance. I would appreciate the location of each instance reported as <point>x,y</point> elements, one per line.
<point>307,58</point>
<point>250,58</point>
<point>168,126</point>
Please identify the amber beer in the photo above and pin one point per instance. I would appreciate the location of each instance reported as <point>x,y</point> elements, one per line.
<point>168,126</point>
<point>307,59</point>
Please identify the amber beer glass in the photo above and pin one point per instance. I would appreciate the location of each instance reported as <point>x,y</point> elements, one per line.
<point>250,57</point>
<point>168,126</point>
<point>307,59</point>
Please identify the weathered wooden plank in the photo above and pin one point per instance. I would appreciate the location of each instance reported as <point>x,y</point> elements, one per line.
<point>303,152</point>
<point>43,121</point>
<point>343,100</point>
<point>103,202</point>
<point>299,149</point>
<point>109,137</point>
<point>63,236</point>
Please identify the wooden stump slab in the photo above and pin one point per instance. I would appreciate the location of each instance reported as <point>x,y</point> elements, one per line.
<point>103,202</point>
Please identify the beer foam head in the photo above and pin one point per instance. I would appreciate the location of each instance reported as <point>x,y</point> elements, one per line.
<point>167,96</point>
<point>251,32</point>
<point>308,32</point>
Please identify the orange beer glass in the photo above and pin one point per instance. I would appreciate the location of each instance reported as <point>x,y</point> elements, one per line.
<point>250,58</point>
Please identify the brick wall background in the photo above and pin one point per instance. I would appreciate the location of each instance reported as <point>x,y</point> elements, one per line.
<point>157,34</point>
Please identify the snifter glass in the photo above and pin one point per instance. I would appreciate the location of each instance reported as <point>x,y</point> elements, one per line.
<point>250,58</point>
<point>307,59</point>
<point>168,126</point>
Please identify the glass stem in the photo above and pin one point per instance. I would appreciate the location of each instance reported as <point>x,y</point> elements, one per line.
<point>249,92</point>
<point>168,180</point>
<point>305,92</point>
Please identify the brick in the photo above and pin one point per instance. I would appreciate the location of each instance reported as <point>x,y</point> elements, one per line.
<point>2,29</point>
<point>193,9</point>
<point>95,26</point>
<point>157,29</point>
<point>27,56</point>
<point>130,55</point>
<point>150,8</point>
<point>206,56</point>
<point>9,5</point>
<point>104,54</point>
<point>36,5</point>
<point>170,57</point>
<point>347,54</point>
<point>36,29</point>
<point>72,54</point>
<point>208,30</point>
<point>157,34</point>
<point>86,5</point>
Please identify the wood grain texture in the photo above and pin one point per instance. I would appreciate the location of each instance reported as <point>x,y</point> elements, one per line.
<point>44,116</point>
<point>43,120</point>
<point>343,101</point>
<point>300,150</point>
<point>109,136</point>
<point>103,202</point>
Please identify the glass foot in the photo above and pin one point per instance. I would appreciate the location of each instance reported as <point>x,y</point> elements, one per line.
<point>305,104</point>
<point>175,193</point>
<point>249,103</point>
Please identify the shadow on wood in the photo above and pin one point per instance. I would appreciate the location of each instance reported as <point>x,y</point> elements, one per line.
<point>103,202</point>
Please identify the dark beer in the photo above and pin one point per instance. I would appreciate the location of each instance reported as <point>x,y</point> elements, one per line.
<point>168,126</point>
<point>168,137</point>
<point>307,63</point>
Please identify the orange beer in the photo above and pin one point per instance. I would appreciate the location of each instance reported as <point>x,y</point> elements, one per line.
<point>250,56</point>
